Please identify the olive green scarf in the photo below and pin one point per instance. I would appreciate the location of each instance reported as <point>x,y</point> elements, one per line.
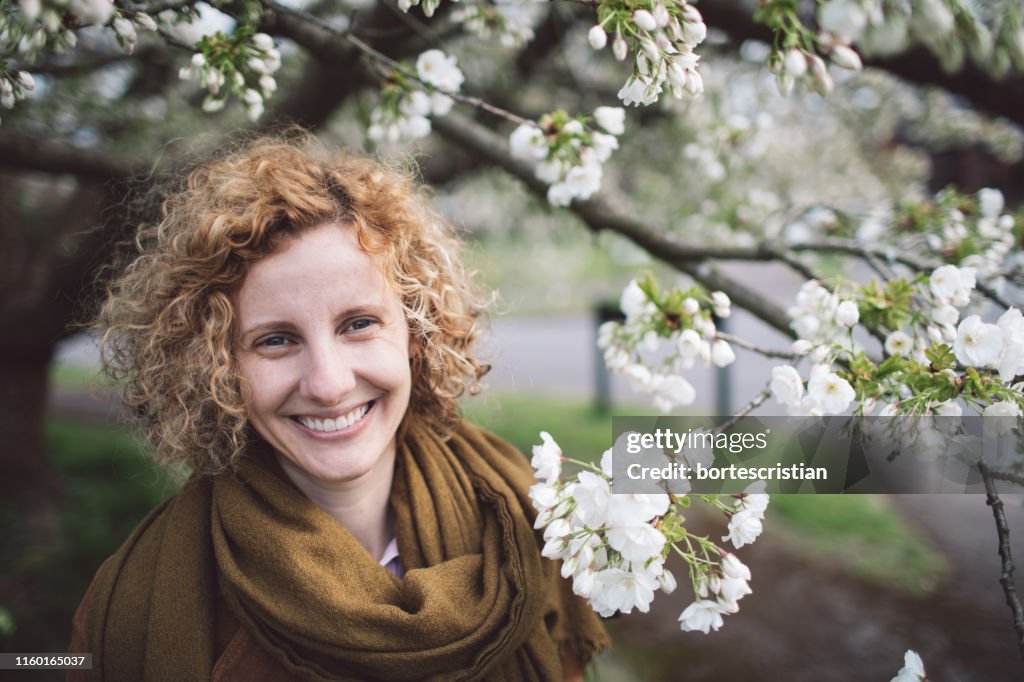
<point>477,601</point>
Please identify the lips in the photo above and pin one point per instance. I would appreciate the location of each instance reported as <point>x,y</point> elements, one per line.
<point>332,424</point>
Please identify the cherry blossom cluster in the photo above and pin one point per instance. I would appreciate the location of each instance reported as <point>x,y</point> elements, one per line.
<point>951,29</point>
<point>14,86</point>
<point>974,232</point>
<point>405,107</point>
<point>242,64</point>
<point>38,25</point>
<point>662,36</point>
<point>937,361</point>
<point>614,547</point>
<point>682,321</point>
<point>568,152</point>
<point>42,25</point>
<point>511,22</point>
<point>797,54</point>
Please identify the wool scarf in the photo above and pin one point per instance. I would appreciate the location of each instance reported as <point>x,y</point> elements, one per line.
<point>477,602</point>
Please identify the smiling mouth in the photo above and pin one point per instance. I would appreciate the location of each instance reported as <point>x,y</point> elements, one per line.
<point>337,423</point>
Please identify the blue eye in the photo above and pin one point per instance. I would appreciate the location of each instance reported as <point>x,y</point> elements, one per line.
<point>360,324</point>
<point>273,342</point>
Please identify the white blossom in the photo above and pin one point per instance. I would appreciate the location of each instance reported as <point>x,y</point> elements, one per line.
<point>612,119</point>
<point>951,284</point>
<point>597,38</point>
<point>1004,413</point>
<point>844,18</point>
<point>637,543</point>
<point>547,458</point>
<point>703,615</point>
<point>440,70</point>
<point>786,385</point>
<point>615,590</point>
<point>722,354</point>
<point>592,495</point>
<point>633,302</point>
<point>831,392</point>
<point>732,567</point>
<point>978,344</point>
<point>847,313</point>
<point>990,202</point>
<point>912,670</point>
<point>898,343</point>
<point>634,509</point>
<point>527,142</point>
<point>96,12</point>
<point>1011,363</point>
<point>744,527</point>
<point>644,20</point>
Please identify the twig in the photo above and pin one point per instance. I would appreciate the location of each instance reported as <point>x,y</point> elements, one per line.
<point>599,216</point>
<point>382,58</point>
<point>1007,476</point>
<point>755,402</point>
<point>1003,532</point>
<point>800,267</point>
<point>887,253</point>
<point>737,341</point>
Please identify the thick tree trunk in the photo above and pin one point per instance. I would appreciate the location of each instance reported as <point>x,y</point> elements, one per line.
<point>27,473</point>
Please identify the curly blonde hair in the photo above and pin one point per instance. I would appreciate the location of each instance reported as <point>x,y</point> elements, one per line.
<point>168,324</point>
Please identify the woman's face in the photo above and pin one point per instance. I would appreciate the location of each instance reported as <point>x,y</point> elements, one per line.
<point>323,351</point>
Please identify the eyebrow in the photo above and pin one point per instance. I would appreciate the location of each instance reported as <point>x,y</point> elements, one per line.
<point>285,325</point>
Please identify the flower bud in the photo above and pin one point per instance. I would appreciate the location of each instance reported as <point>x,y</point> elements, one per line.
<point>695,32</point>
<point>795,63</point>
<point>597,38</point>
<point>619,48</point>
<point>51,21</point>
<point>26,81</point>
<point>801,347</point>
<point>847,313</point>
<point>821,81</point>
<point>667,581</point>
<point>691,14</point>
<point>644,20</point>
<point>263,42</point>
<point>661,15</point>
<point>198,60</point>
<point>650,50</point>
<point>676,75</point>
<point>144,22</point>
<point>30,10</point>
<point>694,85</point>
<point>846,58</point>
<point>785,83</point>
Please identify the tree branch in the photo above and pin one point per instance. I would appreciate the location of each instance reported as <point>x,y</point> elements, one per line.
<point>33,154</point>
<point>598,215</point>
<point>766,352</point>
<point>1003,532</point>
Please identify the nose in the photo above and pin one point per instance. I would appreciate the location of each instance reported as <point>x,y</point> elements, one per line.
<point>329,373</point>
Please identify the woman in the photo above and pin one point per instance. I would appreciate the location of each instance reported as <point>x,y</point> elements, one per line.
<point>296,330</point>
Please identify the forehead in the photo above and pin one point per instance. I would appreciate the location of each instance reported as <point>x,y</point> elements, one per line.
<point>322,265</point>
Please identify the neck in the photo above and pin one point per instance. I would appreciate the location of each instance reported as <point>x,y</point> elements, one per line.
<point>360,505</point>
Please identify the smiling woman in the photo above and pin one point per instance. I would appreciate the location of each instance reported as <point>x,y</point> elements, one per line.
<point>296,330</point>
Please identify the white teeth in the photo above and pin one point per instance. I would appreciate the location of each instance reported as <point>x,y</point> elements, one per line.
<point>336,424</point>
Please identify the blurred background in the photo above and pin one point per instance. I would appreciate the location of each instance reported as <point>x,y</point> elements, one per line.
<point>842,586</point>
